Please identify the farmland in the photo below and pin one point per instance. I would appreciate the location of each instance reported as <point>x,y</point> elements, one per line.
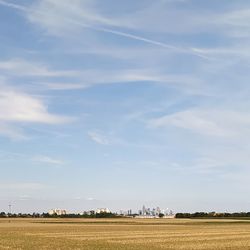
<point>121,234</point>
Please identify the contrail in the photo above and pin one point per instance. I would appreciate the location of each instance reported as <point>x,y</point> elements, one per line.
<point>146,40</point>
<point>111,31</point>
<point>135,37</point>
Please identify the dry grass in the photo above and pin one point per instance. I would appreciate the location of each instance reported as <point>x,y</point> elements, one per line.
<point>121,234</point>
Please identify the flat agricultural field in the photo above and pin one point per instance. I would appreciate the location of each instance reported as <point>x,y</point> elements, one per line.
<point>121,234</point>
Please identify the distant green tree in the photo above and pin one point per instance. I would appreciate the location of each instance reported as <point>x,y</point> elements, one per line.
<point>2,215</point>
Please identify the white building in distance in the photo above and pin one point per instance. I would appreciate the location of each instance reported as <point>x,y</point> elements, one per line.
<point>57,212</point>
<point>102,210</point>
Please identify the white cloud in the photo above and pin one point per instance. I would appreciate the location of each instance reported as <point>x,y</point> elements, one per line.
<point>98,138</point>
<point>20,67</point>
<point>189,120</point>
<point>238,20</point>
<point>91,78</point>
<point>206,122</point>
<point>48,160</point>
<point>63,86</point>
<point>16,106</point>
<point>82,79</point>
<point>63,17</point>
<point>56,17</point>
<point>234,23</point>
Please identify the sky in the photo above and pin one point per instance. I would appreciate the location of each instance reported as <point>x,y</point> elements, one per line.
<point>112,103</point>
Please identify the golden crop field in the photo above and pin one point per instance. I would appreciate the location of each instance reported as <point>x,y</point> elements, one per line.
<point>124,234</point>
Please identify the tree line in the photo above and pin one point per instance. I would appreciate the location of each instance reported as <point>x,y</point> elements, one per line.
<point>212,215</point>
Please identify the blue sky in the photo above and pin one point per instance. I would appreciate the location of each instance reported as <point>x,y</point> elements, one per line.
<point>123,103</point>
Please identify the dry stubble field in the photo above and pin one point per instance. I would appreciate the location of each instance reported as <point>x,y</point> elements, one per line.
<point>121,234</point>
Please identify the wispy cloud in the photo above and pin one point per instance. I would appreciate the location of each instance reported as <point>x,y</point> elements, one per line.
<point>63,86</point>
<point>48,160</point>
<point>90,78</point>
<point>21,67</point>
<point>238,20</point>
<point>206,122</point>
<point>11,132</point>
<point>99,138</point>
<point>13,5</point>
<point>57,17</point>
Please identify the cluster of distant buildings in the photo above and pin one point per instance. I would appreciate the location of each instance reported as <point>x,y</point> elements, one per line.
<point>58,212</point>
<point>147,212</point>
<point>142,213</point>
<point>154,212</point>
<point>102,210</point>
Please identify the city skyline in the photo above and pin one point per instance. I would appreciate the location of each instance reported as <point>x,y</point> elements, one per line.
<point>122,103</point>
<point>145,211</point>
